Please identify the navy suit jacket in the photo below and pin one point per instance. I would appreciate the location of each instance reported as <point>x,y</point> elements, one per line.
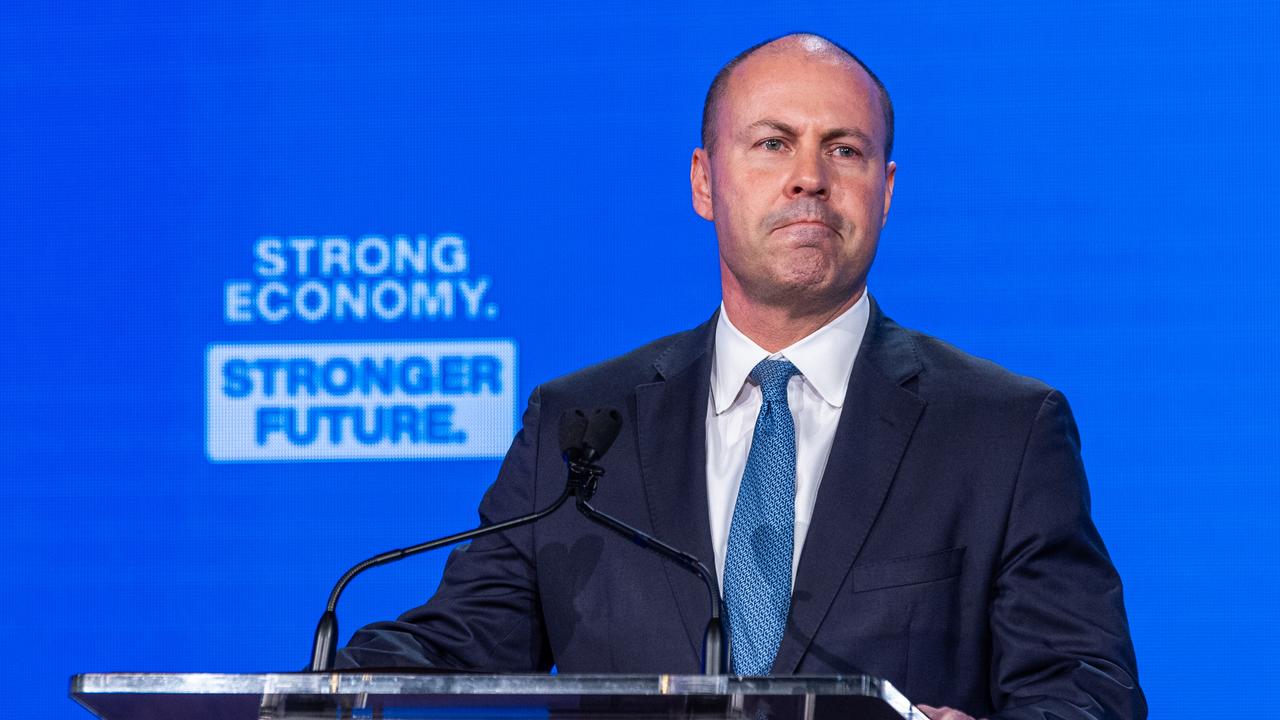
<point>950,551</point>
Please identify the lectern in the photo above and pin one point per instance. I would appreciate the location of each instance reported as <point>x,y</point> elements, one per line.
<point>140,696</point>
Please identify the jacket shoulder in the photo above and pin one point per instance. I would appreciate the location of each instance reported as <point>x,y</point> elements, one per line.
<point>619,376</point>
<point>951,374</point>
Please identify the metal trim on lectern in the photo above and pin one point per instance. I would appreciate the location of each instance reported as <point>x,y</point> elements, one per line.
<point>192,696</point>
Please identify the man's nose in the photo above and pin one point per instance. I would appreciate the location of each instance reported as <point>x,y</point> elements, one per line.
<point>808,176</point>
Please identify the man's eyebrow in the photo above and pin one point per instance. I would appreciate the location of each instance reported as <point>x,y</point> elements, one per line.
<point>778,125</point>
<point>837,133</point>
<point>832,134</point>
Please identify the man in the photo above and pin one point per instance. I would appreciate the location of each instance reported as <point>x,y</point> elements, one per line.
<point>873,499</point>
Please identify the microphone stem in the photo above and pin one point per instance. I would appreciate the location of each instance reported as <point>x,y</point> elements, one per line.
<point>393,555</point>
<point>325,646</point>
<point>716,646</point>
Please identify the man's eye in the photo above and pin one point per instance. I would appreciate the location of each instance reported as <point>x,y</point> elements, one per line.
<point>772,144</point>
<point>846,151</point>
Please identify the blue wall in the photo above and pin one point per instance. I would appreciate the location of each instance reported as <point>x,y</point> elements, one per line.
<point>1085,194</point>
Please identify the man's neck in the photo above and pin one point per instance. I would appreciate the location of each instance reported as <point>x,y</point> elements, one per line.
<point>774,328</point>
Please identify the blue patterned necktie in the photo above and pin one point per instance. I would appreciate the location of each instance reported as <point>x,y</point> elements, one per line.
<point>757,567</point>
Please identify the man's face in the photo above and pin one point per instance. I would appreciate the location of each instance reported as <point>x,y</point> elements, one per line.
<point>797,182</point>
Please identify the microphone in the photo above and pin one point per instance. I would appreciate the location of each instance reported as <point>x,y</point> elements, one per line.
<point>583,440</point>
<point>580,446</point>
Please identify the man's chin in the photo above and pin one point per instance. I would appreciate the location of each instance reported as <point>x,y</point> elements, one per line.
<point>804,294</point>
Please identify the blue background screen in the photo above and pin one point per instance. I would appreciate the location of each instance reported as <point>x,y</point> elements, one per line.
<point>1085,194</point>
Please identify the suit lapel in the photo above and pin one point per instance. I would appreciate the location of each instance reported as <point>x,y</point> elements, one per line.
<point>671,428</point>
<point>875,426</point>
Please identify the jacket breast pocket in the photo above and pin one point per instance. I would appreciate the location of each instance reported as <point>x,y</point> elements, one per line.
<point>910,570</point>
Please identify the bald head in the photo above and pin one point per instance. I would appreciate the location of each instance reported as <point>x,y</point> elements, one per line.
<point>809,45</point>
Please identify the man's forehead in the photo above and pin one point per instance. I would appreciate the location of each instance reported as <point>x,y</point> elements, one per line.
<point>792,58</point>
<point>773,80</point>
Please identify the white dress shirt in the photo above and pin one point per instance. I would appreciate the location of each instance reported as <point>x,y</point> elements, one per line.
<point>825,359</point>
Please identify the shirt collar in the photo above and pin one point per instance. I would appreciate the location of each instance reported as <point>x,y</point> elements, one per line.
<point>825,357</point>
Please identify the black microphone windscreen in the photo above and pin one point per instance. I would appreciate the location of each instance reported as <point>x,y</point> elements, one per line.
<point>573,425</point>
<point>602,430</point>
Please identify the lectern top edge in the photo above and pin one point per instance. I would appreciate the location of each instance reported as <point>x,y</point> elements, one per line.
<point>349,682</point>
<point>114,696</point>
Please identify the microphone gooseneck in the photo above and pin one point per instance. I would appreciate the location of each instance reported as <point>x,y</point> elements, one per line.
<point>574,430</point>
<point>601,430</point>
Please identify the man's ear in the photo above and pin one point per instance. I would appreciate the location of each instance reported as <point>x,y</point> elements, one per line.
<point>890,171</point>
<point>700,183</point>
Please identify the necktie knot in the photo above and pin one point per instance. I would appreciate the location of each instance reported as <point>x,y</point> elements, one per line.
<point>773,375</point>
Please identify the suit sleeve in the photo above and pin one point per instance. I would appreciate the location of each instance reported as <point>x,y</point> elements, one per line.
<point>486,614</point>
<point>1060,639</point>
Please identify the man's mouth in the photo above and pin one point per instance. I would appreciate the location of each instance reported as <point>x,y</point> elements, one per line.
<point>805,223</point>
